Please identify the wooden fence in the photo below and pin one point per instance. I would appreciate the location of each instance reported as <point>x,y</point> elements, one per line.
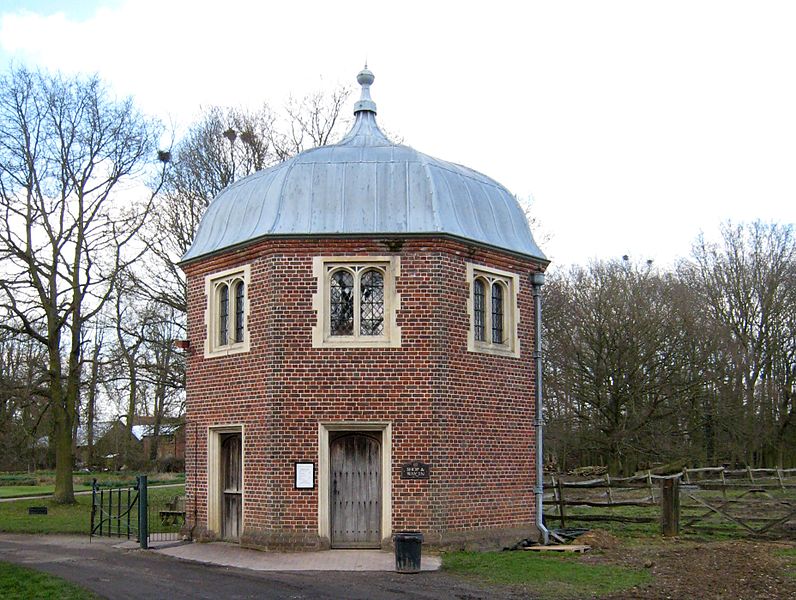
<point>747,501</point>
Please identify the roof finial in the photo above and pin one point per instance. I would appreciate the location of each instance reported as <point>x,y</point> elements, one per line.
<point>365,79</point>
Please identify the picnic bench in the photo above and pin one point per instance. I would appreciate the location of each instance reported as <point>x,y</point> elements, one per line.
<point>174,513</point>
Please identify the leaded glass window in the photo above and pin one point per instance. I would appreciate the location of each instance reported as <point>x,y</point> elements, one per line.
<point>493,311</point>
<point>227,312</point>
<point>356,302</point>
<point>478,309</point>
<point>223,314</point>
<point>342,303</point>
<point>497,313</point>
<point>239,300</point>
<point>371,303</point>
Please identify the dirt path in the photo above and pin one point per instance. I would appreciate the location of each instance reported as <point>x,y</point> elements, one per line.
<point>711,570</point>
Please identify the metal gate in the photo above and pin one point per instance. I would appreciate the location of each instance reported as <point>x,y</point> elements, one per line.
<point>129,512</point>
<point>115,511</point>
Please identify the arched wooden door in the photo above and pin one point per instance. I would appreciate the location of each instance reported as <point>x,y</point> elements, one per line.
<point>231,487</point>
<point>355,490</point>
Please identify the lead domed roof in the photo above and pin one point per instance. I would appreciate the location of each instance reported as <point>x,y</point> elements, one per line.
<point>363,185</point>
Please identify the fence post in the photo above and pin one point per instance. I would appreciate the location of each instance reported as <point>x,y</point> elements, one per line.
<point>723,484</point>
<point>143,526</point>
<point>670,506</point>
<point>561,502</point>
<point>93,505</point>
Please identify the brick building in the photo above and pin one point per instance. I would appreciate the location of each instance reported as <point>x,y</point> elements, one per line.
<point>362,330</point>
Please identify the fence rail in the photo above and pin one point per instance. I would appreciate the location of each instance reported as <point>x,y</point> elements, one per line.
<point>753,502</point>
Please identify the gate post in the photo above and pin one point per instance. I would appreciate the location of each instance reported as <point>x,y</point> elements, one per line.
<point>670,506</point>
<point>143,525</point>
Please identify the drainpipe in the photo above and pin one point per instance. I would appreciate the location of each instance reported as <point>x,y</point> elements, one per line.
<point>537,281</point>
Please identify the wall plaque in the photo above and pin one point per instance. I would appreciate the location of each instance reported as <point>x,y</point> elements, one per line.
<point>415,470</point>
<point>305,476</point>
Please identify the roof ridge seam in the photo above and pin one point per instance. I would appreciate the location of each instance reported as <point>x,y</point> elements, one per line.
<point>289,167</point>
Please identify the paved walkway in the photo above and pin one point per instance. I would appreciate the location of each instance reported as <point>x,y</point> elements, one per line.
<point>232,555</point>
<point>133,574</point>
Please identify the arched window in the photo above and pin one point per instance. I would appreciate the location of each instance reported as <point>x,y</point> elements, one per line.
<point>479,310</point>
<point>494,312</point>
<point>239,305</point>
<point>497,313</point>
<point>371,303</point>
<point>342,303</point>
<point>227,312</point>
<point>357,302</point>
<point>223,314</point>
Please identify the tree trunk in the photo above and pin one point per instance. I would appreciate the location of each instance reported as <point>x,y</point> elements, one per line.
<point>90,409</point>
<point>64,459</point>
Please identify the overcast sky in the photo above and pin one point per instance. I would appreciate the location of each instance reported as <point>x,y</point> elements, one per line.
<point>633,124</point>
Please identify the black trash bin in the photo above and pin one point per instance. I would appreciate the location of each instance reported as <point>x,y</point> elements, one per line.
<point>407,551</point>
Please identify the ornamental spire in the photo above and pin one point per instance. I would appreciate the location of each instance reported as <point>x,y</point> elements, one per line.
<point>365,104</point>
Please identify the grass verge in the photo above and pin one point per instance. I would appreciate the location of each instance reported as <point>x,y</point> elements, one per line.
<point>790,555</point>
<point>547,577</point>
<point>18,583</point>
<point>61,518</point>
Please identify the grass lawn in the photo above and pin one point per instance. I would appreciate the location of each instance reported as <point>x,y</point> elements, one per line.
<point>21,583</point>
<point>790,555</point>
<point>61,518</point>
<point>549,577</point>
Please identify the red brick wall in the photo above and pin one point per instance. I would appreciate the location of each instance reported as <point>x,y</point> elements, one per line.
<point>469,415</point>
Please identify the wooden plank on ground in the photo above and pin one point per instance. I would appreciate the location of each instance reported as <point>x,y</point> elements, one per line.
<point>560,548</point>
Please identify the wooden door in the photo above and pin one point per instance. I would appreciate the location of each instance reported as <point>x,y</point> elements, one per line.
<point>355,488</point>
<point>231,487</point>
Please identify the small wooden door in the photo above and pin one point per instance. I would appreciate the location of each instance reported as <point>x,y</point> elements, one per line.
<point>355,488</point>
<point>231,487</point>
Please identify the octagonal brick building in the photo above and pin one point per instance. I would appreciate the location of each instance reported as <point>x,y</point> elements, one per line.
<point>361,330</point>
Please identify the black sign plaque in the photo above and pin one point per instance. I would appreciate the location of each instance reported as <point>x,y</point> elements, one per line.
<point>415,470</point>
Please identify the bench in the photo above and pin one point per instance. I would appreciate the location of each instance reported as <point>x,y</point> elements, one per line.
<point>174,513</point>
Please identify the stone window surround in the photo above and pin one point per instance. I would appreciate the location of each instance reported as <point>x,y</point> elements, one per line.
<point>511,312</point>
<point>321,337</point>
<point>211,348</point>
<point>324,429</point>
<point>214,483</point>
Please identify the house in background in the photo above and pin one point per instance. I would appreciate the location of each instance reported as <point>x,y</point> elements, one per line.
<point>169,442</point>
<point>116,447</point>
<point>362,352</point>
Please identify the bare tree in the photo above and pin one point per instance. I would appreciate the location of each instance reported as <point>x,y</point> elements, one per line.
<point>747,296</point>
<point>67,151</point>
<point>224,146</point>
<point>614,350</point>
<point>92,387</point>
<point>311,121</point>
<point>23,413</point>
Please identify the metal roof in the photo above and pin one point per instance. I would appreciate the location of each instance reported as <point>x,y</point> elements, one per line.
<point>365,184</point>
